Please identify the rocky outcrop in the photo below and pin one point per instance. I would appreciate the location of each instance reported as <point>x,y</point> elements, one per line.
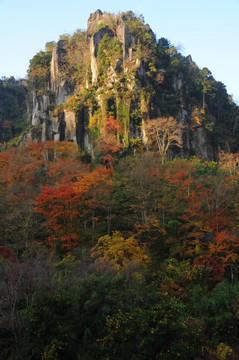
<point>125,90</point>
<point>59,85</point>
<point>127,40</point>
<point>40,105</point>
<point>60,88</point>
<point>95,20</point>
<point>120,31</point>
<point>201,144</point>
<point>56,63</point>
<point>70,120</point>
<point>95,40</point>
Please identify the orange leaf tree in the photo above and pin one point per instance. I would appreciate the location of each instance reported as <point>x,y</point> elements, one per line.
<point>108,144</point>
<point>69,204</point>
<point>225,248</point>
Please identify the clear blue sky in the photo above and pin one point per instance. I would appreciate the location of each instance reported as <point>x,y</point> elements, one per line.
<point>206,29</point>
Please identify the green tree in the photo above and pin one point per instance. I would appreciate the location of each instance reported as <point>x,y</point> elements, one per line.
<point>64,324</point>
<point>161,332</point>
<point>109,51</point>
<point>206,83</point>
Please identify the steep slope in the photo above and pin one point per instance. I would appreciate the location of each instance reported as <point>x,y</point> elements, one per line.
<point>118,68</point>
<point>13,108</point>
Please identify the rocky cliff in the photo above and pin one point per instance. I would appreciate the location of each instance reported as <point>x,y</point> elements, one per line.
<point>117,68</point>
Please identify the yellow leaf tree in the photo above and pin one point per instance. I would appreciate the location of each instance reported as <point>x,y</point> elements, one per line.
<point>121,253</point>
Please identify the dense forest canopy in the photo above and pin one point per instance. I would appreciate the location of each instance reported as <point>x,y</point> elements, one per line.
<point>13,110</point>
<point>130,258</point>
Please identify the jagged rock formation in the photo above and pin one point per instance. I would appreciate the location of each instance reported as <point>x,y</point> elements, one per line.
<point>117,68</point>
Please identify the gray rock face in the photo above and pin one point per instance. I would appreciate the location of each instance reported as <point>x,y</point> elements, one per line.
<point>56,62</point>
<point>94,47</point>
<point>40,104</point>
<point>99,24</point>
<point>178,81</point>
<point>58,85</point>
<point>73,126</point>
<point>82,136</point>
<point>120,32</point>
<point>201,144</point>
<point>94,20</point>
<point>59,90</point>
<point>70,120</point>
<point>127,40</point>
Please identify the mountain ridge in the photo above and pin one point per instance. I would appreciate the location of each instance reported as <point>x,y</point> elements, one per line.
<point>118,68</point>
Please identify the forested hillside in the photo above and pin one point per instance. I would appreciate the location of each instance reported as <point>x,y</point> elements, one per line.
<point>13,110</point>
<point>119,211</point>
<point>134,260</point>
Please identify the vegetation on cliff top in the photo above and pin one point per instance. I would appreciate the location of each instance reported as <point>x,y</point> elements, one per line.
<point>157,81</point>
<point>169,82</point>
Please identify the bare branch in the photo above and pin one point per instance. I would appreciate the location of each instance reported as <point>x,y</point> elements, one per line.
<point>164,132</point>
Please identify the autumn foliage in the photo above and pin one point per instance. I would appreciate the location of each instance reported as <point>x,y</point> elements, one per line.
<point>108,143</point>
<point>164,133</point>
<point>168,230</point>
<point>121,253</point>
<point>70,202</point>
